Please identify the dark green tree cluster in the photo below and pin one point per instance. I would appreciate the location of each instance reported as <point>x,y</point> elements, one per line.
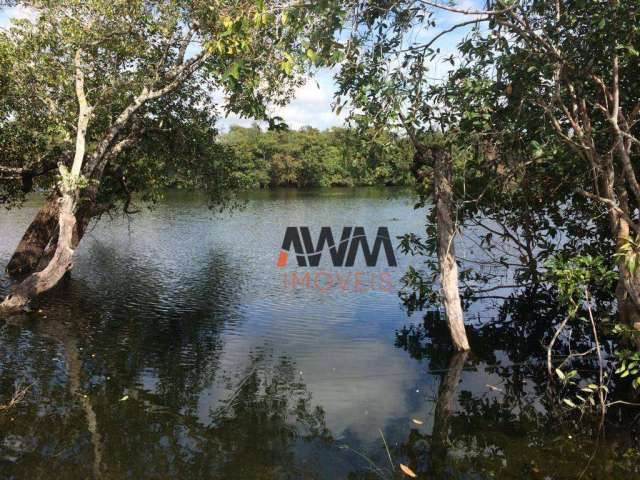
<point>312,158</point>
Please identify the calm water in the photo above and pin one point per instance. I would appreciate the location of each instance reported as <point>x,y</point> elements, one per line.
<point>176,350</point>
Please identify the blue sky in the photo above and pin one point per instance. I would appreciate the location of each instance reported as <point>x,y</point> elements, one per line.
<point>311,105</point>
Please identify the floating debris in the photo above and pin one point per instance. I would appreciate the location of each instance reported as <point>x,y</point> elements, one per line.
<point>407,471</point>
<point>494,388</point>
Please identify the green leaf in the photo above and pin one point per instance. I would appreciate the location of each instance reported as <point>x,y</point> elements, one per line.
<point>234,71</point>
<point>313,56</point>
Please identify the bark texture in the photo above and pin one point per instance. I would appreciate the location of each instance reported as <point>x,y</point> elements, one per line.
<point>35,240</point>
<point>38,244</point>
<point>61,262</point>
<point>445,248</point>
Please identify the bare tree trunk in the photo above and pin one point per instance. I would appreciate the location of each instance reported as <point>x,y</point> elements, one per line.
<point>445,249</point>
<point>38,244</point>
<point>61,262</point>
<point>35,240</point>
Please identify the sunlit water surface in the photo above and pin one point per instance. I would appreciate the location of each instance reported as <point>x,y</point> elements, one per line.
<point>175,350</point>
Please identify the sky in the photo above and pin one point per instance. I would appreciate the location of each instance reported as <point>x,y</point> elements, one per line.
<point>311,105</point>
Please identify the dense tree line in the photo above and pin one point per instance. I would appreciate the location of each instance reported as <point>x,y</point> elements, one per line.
<point>312,158</point>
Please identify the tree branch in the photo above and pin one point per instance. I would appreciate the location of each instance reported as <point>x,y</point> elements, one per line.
<point>467,12</point>
<point>100,156</point>
<point>84,114</point>
<point>613,206</point>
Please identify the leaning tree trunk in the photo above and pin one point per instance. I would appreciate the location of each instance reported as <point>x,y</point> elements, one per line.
<point>70,184</point>
<point>35,240</point>
<point>59,265</point>
<point>445,247</point>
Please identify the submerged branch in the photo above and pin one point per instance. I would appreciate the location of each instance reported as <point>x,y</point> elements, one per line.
<point>17,397</point>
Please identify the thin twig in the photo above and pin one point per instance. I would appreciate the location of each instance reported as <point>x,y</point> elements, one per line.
<point>17,397</point>
<point>387,448</point>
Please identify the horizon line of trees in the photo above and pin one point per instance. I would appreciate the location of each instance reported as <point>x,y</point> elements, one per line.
<point>309,157</point>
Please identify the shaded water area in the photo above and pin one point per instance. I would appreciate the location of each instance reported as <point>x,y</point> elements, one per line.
<point>176,350</point>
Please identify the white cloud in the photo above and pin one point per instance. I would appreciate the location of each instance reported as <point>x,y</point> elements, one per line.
<point>311,106</point>
<point>312,103</point>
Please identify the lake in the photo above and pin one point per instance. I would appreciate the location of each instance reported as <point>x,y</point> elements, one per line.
<point>178,349</point>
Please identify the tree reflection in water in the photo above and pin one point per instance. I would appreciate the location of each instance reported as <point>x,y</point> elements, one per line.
<point>121,396</point>
<point>252,434</point>
<point>513,428</point>
<point>196,408</point>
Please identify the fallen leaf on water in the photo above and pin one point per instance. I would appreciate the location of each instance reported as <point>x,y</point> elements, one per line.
<point>417,422</point>
<point>407,471</point>
<point>126,397</point>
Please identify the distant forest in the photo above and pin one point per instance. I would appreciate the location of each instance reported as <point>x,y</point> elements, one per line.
<point>312,158</point>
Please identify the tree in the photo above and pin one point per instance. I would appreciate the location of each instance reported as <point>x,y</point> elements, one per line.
<point>385,77</point>
<point>312,158</point>
<point>574,65</point>
<point>93,84</point>
<point>546,97</point>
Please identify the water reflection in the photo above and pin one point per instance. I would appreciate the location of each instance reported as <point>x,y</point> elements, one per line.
<point>100,413</point>
<point>172,351</point>
<point>494,416</point>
